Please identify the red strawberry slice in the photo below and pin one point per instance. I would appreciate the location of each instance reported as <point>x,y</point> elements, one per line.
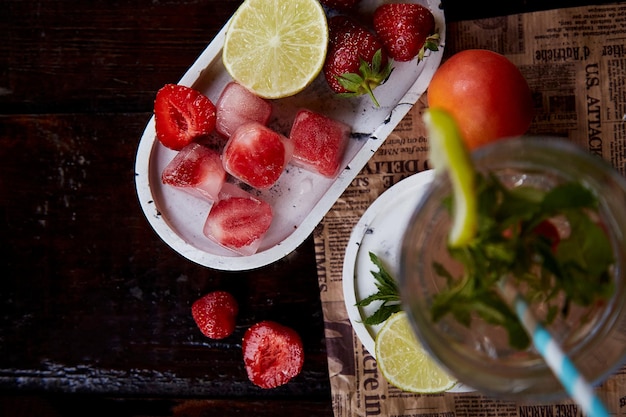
<point>215,314</point>
<point>319,142</point>
<point>356,61</point>
<point>257,155</point>
<point>197,170</point>
<point>182,115</point>
<point>273,354</point>
<point>406,29</point>
<point>238,221</point>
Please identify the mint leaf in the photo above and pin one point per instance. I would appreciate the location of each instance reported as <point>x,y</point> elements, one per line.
<point>383,313</point>
<point>584,258</point>
<point>573,266</point>
<point>567,197</point>
<point>388,293</point>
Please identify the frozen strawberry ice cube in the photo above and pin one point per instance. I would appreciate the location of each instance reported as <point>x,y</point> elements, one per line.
<point>256,155</point>
<point>238,221</point>
<point>238,105</point>
<point>197,170</point>
<point>319,142</point>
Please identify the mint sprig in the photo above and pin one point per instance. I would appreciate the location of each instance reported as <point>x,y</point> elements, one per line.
<point>507,244</point>
<point>388,293</point>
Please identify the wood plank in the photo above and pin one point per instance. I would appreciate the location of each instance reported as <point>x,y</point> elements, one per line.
<point>64,405</point>
<point>94,301</point>
<point>68,56</point>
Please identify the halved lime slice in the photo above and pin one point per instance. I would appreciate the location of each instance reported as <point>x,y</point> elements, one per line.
<point>276,48</point>
<point>448,153</point>
<point>403,361</point>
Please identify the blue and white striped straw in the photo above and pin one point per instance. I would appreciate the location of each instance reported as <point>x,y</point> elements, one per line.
<point>563,368</point>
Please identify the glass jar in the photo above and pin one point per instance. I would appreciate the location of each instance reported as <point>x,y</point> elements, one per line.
<point>479,356</point>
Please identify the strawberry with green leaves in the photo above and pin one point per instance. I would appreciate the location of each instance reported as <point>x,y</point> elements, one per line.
<point>406,29</point>
<point>356,61</point>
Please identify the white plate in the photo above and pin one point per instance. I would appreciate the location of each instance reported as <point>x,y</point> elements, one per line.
<point>380,231</point>
<point>299,199</point>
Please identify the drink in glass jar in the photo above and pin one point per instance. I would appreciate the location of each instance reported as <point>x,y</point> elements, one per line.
<point>486,356</point>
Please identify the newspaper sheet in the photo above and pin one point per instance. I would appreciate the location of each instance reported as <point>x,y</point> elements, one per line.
<point>575,62</point>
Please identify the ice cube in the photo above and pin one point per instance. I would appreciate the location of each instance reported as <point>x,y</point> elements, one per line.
<point>257,155</point>
<point>319,142</point>
<point>238,221</point>
<point>197,170</point>
<point>238,105</point>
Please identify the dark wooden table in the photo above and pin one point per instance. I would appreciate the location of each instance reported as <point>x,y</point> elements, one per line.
<point>94,307</point>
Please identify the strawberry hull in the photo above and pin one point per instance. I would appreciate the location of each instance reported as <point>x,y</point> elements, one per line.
<point>319,143</point>
<point>257,155</point>
<point>197,170</point>
<point>350,62</point>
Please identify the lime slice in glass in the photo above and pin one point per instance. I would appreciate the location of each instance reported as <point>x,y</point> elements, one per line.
<point>448,153</point>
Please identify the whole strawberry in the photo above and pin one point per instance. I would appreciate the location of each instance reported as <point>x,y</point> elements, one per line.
<point>272,353</point>
<point>356,61</point>
<point>406,29</point>
<point>215,314</point>
<point>344,5</point>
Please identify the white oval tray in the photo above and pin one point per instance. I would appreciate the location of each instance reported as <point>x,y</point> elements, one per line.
<point>300,199</point>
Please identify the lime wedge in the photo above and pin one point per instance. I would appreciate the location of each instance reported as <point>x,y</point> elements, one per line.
<point>276,48</point>
<point>448,153</point>
<point>404,362</point>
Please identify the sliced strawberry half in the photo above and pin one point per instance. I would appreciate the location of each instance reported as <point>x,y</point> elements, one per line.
<point>272,353</point>
<point>238,222</point>
<point>197,170</point>
<point>215,314</point>
<point>182,115</point>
